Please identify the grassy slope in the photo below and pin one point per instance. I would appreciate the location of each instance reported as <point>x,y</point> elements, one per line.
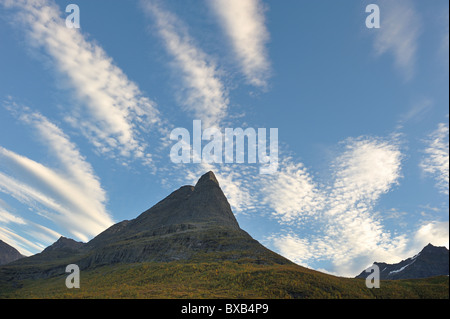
<point>232,280</point>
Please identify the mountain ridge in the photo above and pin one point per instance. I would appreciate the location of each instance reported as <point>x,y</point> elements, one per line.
<point>431,261</point>
<point>64,243</point>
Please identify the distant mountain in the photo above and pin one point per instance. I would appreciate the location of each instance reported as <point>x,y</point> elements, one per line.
<point>8,254</point>
<point>430,262</point>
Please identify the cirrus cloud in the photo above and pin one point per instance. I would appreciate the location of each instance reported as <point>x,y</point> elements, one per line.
<point>71,196</point>
<point>204,95</point>
<point>399,33</point>
<point>112,111</point>
<point>436,162</point>
<point>244,24</point>
<point>352,234</point>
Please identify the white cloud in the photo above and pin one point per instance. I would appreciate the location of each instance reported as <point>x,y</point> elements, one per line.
<point>291,193</point>
<point>42,233</point>
<point>288,195</point>
<point>244,23</point>
<point>66,153</point>
<point>417,112</point>
<point>336,221</point>
<point>6,217</point>
<point>367,169</point>
<point>203,92</point>
<point>399,33</point>
<point>42,236</point>
<point>436,162</point>
<point>20,243</point>
<point>71,196</point>
<point>351,233</point>
<point>112,112</point>
<point>298,250</point>
<point>71,207</point>
<point>22,192</point>
<point>435,233</point>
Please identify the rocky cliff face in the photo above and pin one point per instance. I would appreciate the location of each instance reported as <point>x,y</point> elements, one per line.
<point>431,261</point>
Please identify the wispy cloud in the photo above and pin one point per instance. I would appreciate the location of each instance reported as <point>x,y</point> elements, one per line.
<point>436,233</point>
<point>64,203</point>
<point>296,249</point>
<point>41,235</point>
<point>111,111</point>
<point>244,23</point>
<point>367,169</point>
<point>416,113</point>
<point>399,34</point>
<point>6,217</point>
<point>203,93</point>
<point>344,210</point>
<point>335,220</point>
<point>65,152</point>
<point>291,193</point>
<point>436,162</point>
<point>22,244</point>
<point>70,196</point>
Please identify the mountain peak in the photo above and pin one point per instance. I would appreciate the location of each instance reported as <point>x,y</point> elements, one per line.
<point>201,208</point>
<point>207,179</point>
<point>431,249</point>
<point>204,205</point>
<point>8,253</point>
<point>189,223</point>
<point>431,261</point>
<point>64,243</point>
<point>430,246</point>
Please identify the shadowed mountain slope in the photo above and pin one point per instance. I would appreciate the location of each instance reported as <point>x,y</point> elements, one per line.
<point>8,254</point>
<point>431,261</point>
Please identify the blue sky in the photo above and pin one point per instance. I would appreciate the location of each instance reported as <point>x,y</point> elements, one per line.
<point>362,116</point>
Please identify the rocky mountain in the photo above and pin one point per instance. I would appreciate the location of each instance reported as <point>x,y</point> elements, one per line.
<point>8,254</point>
<point>192,223</point>
<point>430,262</point>
<point>64,243</point>
<point>189,245</point>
